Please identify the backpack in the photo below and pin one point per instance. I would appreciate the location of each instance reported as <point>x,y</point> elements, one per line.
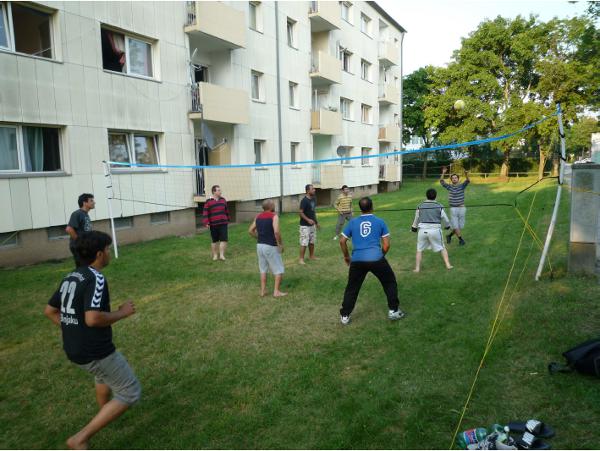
<point>584,358</point>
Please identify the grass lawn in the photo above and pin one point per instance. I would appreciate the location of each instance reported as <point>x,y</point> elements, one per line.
<point>223,368</point>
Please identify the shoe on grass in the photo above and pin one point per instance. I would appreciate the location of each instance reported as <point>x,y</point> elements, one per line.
<point>461,242</point>
<point>449,238</point>
<point>345,319</point>
<point>395,315</point>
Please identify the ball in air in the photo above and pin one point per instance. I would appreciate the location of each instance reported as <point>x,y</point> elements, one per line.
<point>459,104</point>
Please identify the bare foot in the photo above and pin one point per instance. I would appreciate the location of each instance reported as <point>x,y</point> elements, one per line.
<point>222,257</point>
<point>314,258</point>
<point>214,258</point>
<point>301,262</point>
<point>449,267</point>
<point>279,294</point>
<point>72,443</point>
<point>262,294</point>
<point>416,270</point>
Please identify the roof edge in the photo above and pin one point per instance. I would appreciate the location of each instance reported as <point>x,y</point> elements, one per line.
<point>384,13</point>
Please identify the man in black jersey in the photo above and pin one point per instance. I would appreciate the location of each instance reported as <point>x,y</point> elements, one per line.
<point>81,307</point>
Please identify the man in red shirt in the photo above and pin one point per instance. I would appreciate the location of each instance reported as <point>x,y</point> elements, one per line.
<point>215,217</point>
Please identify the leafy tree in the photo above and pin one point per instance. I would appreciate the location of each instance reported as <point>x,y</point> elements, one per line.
<point>579,135</point>
<point>415,89</point>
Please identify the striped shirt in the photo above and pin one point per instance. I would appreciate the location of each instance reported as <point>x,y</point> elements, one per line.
<point>456,193</point>
<point>430,214</point>
<point>343,203</point>
<point>215,212</point>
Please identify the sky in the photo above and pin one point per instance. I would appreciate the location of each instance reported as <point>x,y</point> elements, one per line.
<point>435,27</point>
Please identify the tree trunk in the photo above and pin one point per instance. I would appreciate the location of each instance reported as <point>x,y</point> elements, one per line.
<point>425,165</point>
<point>543,158</point>
<point>505,165</point>
<point>555,167</point>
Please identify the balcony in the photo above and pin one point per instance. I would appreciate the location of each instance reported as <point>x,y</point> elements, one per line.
<point>327,176</point>
<point>325,122</point>
<point>325,69</point>
<point>218,104</point>
<point>390,172</point>
<point>388,94</point>
<point>388,54</point>
<point>388,134</point>
<point>324,16</point>
<point>332,176</point>
<point>235,183</point>
<point>217,25</point>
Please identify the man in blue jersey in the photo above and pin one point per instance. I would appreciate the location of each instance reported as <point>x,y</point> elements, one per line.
<point>370,242</point>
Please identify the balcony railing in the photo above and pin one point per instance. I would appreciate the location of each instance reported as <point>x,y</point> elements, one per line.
<point>219,104</point>
<point>190,18</point>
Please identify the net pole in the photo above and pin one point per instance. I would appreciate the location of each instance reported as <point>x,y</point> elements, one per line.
<point>558,193</point>
<point>109,196</point>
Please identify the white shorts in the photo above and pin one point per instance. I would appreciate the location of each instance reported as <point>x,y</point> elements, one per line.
<point>457,217</point>
<point>308,235</point>
<point>269,259</point>
<point>430,238</point>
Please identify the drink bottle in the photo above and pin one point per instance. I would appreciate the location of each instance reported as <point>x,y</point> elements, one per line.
<point>471,437</point>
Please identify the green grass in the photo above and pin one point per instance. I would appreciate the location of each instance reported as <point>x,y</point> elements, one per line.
<point>223,368</point>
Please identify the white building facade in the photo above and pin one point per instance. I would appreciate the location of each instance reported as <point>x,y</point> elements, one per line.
<point>184,83</point>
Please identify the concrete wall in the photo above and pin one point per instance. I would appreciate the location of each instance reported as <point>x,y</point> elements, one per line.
<point>34,245</point>
<point>584,249</point>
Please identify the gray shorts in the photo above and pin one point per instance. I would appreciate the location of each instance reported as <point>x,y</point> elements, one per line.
<point>269,259</point>
<point>457,217</point>
<point>115,372</point>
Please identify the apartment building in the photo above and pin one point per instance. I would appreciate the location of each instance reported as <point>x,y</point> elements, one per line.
<point>184,83</point>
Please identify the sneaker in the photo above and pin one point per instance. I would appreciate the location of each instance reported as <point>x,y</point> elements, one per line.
<point>345,319</point>
<point>448,239</point>
<point>335,238</point>
<point>461,242</point>
<point>394,315</point>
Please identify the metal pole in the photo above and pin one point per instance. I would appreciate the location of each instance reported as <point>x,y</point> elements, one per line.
<point>109,196</point>
<point>279,107</point>
<point>558,193</point>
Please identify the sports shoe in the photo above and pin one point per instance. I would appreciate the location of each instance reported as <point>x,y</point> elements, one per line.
<point>394,315</point>
<point>335,238</point>
<point>448,239</point>
<point>461,242</point>
<point>345,319</point>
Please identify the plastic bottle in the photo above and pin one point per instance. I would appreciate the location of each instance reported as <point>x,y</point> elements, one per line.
<point>471,437</point>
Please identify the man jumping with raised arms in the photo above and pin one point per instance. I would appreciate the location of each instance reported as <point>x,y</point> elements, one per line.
<point>456,200</point>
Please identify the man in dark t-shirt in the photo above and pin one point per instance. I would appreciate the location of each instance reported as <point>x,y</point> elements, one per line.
<point>81,307</point>
<point>308,224</point>
<point>80,221</point>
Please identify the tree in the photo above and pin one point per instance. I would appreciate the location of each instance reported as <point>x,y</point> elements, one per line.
<point>415,89</point>
<point>511,73</point>
<point>580,134</point>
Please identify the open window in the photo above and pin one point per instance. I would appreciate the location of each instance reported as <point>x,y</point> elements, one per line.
<point>26,30</point>
<point>126,54</point>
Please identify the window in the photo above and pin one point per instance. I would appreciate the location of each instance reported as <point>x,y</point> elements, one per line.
<point>365,70</point>
<point>344,152</point>
<point>258,147</point>
<point>256,84</point>
<point>293,95</point>
<point>364,152</point>
<point>123,223</point>
<point>29,149</point>
<point>346,57</point>
<point>57,233</point>
<point>291,33</point>
<point>10,239</point>
<point>293,152</point>
<point>31,30</point>
<point>365,114</point>
<point>365,24</point>
<point>255,15</point>
<point>133,148</point>
<point>160,218</point>
<point>200,74</point>
<point>347,11</point>
<point>346,108</point>
<point>126,54</point>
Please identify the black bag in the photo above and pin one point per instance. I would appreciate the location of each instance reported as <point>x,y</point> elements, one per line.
<point>584,358</point>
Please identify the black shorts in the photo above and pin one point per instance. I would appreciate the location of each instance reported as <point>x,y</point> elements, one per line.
<point>218,233</point>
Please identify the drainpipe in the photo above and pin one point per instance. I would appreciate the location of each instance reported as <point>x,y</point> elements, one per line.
<point>278,78</point>
<point>401,97</point>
